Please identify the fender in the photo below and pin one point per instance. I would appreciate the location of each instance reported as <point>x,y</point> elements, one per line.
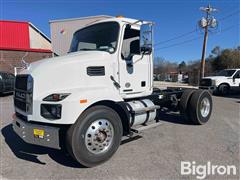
<point>77,102</point>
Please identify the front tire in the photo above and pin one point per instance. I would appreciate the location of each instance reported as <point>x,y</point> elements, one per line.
<point>223,89</point>
<point>95,137</point>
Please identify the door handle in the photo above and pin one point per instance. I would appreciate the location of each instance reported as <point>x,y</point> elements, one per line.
<point>115,82</point>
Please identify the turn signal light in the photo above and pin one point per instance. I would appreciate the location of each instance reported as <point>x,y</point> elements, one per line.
<point>56,97</point>
<point>83,101</point>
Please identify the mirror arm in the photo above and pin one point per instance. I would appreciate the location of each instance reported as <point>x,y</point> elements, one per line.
<point>139,58</point>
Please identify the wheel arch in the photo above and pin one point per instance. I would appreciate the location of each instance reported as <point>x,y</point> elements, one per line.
<point>224,83</point>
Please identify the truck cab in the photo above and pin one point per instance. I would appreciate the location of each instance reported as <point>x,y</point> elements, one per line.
<point>102,90</point>
<point>222,82</point>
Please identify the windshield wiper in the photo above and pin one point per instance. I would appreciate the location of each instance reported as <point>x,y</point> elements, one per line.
<point>87,49</point>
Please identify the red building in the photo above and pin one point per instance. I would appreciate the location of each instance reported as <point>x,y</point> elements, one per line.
<point>21,40</point>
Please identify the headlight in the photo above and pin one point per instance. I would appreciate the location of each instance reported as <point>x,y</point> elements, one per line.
<point>51,111</point>
<point>56,97</point>
<point>29,83</point>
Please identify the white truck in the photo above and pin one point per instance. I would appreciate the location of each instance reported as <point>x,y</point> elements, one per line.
<point>222,82</point>
<point>101,91</point>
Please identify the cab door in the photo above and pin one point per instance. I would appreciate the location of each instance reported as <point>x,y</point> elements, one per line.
<point>134,68</point>
<point>236,79</point>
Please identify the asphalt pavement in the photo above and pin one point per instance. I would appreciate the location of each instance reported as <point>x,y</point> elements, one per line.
<point>156,154</point>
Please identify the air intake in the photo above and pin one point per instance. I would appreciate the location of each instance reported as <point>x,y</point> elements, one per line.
<point>96,71</point>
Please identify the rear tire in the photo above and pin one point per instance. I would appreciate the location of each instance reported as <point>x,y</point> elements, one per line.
<point>184,101</point>
<point>200,107</point>
<point>95,137</point>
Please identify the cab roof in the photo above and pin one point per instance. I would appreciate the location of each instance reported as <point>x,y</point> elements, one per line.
<point>122,20</point>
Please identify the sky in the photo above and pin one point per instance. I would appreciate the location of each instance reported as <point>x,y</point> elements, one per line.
<point>173,18</point>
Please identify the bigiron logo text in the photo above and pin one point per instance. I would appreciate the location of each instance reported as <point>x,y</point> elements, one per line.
<point>202,171</point>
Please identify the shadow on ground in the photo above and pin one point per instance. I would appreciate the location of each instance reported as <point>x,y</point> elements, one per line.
<point>232,95</point>
<point>172,117</point>
<point>30,152</point>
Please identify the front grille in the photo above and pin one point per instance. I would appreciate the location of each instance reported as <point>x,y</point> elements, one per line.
<point>21,105</point>
<point>23,93</point>
<point>206,82</point>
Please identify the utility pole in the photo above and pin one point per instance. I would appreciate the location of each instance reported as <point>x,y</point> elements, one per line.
<point>206,23</point>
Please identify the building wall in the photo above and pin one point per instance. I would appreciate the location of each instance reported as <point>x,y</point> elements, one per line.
<point>21,40</point>
<point>62,31</point>
<point>22,36</point>
<point>14,35</point>
<point>11,59</point>
<point>37,41</point>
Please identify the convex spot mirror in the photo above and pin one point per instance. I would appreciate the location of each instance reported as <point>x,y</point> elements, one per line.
<point>146,38</point>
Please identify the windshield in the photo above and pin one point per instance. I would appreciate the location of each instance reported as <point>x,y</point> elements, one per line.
<point>100,37</point>
<point>227,73</point>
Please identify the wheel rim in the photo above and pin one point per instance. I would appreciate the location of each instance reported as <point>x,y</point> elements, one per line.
<point>205,107</point>
<point>99,136</point>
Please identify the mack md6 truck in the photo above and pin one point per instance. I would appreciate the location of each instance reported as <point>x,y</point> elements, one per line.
<point>99,92</point>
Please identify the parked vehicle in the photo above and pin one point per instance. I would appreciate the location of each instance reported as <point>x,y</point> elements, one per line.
<point>223,82</point>
<point>102,90</point>
<point>6,82</point>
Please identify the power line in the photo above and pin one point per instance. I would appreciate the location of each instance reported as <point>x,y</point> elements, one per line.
<point>176,44</point>
<point>230,15</point>
<point>194,30</point>
<point>176,37</point>
<point>194,39</point>
<point>229,28</point>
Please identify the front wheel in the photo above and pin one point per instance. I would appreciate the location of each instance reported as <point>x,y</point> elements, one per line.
<point>95,137</point>
<point>223,89</point>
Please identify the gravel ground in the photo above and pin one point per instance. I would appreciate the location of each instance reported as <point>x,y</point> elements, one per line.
<point>156,154</point>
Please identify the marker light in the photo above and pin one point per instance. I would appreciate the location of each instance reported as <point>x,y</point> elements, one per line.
<point>119,16</point>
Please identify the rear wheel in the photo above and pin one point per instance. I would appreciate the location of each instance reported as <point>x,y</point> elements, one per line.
<point>184,101</point>
<point>96,136</point>
<point>200,107</point>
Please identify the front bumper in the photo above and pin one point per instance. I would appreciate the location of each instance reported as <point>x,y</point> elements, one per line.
<point>25,130</point>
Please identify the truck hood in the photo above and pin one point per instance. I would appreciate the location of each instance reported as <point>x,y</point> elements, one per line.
<point>72,59</point>
<point>67,73</point>
<point>215,77</point>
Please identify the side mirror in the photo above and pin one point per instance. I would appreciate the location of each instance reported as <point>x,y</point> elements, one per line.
<point>146,37</point>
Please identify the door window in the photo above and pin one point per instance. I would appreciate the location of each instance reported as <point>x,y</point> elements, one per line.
<point>131,43</point>
<point>237,75</point>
